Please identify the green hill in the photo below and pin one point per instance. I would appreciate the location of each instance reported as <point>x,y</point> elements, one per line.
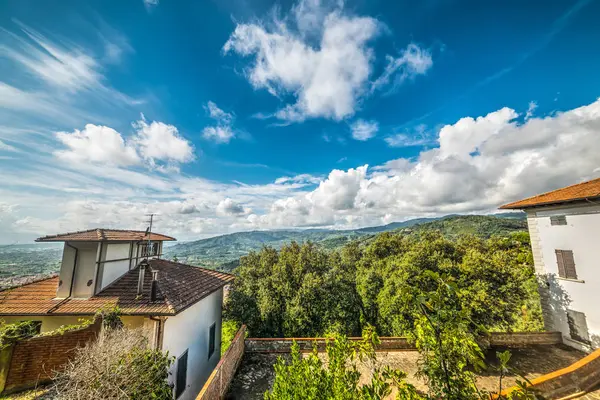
<point>223,252</point>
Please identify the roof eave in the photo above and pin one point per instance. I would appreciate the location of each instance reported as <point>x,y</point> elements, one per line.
<point>516,206</point>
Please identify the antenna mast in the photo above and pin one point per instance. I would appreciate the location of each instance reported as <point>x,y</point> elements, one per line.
<point>149,233</point>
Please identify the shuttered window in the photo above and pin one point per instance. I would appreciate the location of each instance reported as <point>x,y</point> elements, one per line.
<point>558,220</point>
<point>566,264</point>
<point>211,340</point>
<point>578,326</point>
<point>181,379</point>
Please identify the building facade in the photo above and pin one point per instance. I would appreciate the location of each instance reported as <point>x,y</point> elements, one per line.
<point>564,226</point>
<point>178,306</point>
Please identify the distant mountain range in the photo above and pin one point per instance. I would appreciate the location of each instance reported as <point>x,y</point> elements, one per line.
<point>223,252</point>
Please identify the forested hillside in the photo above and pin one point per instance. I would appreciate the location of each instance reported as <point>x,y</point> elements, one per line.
<point>223,252</point>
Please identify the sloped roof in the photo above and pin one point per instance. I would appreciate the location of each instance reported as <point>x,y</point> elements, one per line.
<point>99,234</point>
<point>578,192</point>
<point>179,287</point>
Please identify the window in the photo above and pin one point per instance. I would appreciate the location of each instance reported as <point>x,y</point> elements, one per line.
<point>181,380</point>
<point>558,220</point>
<point>566,264</point>
<point>149,250</point>
<point>211,340</point>
<point>578,326</point>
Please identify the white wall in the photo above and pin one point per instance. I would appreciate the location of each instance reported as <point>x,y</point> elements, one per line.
<point>190,330</point>
<point>582,236</point>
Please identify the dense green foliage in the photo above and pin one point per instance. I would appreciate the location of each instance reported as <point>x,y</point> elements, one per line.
<point>229,329</point>
<point>223,252</point>
<point>311,379</point>
<point>304,291</point>
<point>11,333</point>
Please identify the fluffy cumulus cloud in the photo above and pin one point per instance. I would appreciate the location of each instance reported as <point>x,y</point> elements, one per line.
<point>160,141</point>
<point>152,142</point>
<point>364,130</point>
<point>223,131</point>
<point>321,55</point>
<point>228,207</point>
<point>99,144</point>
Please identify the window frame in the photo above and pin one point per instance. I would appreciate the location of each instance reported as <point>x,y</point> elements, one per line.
<point>574,328</point>
<point>179,389</point>
<point>558,220</point>
<point>212,339</point>
<point>567,268</point>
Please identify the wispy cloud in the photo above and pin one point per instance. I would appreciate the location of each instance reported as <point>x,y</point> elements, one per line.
<point>223,132</point>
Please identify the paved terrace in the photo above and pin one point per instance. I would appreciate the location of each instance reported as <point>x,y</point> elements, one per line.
<point>255,374</point>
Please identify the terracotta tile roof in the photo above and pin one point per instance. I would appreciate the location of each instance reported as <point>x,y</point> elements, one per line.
<point>179,287</point>
<point>96,235</point>
<point>580,191</point>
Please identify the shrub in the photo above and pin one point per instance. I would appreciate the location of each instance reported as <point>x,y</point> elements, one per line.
<point>118,365</point>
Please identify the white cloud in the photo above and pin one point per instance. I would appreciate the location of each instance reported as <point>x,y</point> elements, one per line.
<point>530,109</point>
<point>228,207</point>
<point>155,141</point>
<point>223,132</point>
<point>364,130</point>
<point>412,62</point>
<point>99,144</point>
<point>418,136</point>
<point>6,147</point>
<point>149,4</point>
<point>159,141</point>
<point>327,79</point>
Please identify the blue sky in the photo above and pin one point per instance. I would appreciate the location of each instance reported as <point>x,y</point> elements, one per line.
<point>234,115</point>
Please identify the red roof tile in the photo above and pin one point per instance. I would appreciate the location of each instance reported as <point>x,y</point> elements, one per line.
<point>580,191</point>
<point>97,235</point>
<point>179,287</point>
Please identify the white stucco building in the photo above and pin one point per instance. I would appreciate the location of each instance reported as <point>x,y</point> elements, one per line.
<point>565,238</point>
<point>178,305</point>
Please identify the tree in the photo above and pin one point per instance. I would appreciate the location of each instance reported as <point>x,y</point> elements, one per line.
<point>303,290</point>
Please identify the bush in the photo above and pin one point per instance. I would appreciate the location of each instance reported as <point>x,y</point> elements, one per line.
<point>229,329</point>
<point>118,365</point>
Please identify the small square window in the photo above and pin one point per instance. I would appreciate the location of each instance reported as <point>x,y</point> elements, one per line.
<point>558,220</point>
<point>578,326</point>
<point>211,340</point>
<point>181,377</point>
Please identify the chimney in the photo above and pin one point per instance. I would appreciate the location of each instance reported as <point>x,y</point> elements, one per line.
<point>154,287</point>
<point>140,288</point>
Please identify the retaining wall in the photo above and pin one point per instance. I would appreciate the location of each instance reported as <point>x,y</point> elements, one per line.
<point>31,362</point>
<point>218,382</point>
<point>501,339</point>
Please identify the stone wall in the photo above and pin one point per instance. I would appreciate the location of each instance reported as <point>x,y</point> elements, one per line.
<point>515,340</point>
<point>576,379</point>
<point>218,382</point>
<point>31,362</point>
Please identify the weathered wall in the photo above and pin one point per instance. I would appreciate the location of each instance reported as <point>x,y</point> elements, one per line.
<point>515,340</point>
<point>217,384</point>
<point>33,361</point>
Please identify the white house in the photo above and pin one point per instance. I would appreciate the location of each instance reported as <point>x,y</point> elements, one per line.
<point>565,239</point>
<point>179,305</point>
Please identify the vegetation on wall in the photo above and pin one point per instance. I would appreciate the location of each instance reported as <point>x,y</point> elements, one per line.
<point>12,333</point>
<point>306,291</point>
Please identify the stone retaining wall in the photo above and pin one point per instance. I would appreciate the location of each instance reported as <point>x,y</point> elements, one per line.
<point>501,339</point>
<point>218,382</point>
